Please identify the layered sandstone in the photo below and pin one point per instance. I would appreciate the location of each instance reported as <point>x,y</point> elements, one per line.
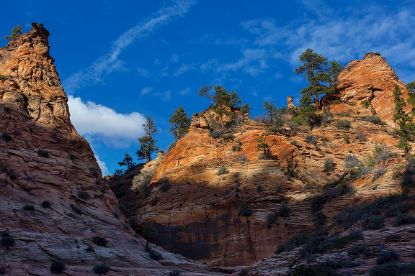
<point>52,200</point>
<point>199,194</point>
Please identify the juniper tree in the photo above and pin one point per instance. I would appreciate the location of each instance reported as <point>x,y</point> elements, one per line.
<point>147,142</point>
<point>180,123</point>
<point>222,101</point>
<point>405,127</point>
<point>127,162</point>
<point>321,75</point>
<point>17,30</point>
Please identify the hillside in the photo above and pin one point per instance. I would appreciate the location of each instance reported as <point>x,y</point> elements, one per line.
<point>319,194</point>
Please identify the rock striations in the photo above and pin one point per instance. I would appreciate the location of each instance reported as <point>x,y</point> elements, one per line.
<point>219,201</point>
<point>56,213</point>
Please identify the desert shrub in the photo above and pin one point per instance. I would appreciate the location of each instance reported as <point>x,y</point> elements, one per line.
<point>7,137</point>
<point>83,195</point>
<point>272,218</point>
<point>351,162</point>
<point>43,153</point>
<point>373,222</point>
<point>346,138</point>
<point>264,147</point>
<point>311,139</point>
<point>361,136</point>
<point>294,242</point>
<point>45,204</point>
<point>245,210</point>
<point>165,186</point>
<point>365,103</point>
<point>222,170</point>
<point>242,159</point>
<point>284,211</point>
<point>380,155</point>
<point>402,219</point>
<point>141,183</point>
<point>387,256</point>
<point>3,77</point>
<point>101,269</point>
<point>228,137</point>
<point>100,241</point>
<point>343,124</point>
<point>329,165</point>
<point>215,133</point>
<point>312,270</point>
<point>374,120</point>
<point>237,147</point>
<point>378,172</point>
<point>7,240</point>
<point>56,267</point>
<point>28,207</point>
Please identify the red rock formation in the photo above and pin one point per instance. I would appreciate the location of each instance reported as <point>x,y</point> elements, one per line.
<point>211,197</point>
<point>52,200</point>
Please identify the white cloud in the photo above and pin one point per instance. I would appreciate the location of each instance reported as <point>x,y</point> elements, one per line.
<point>96,121</point>
<point>110,62</point>
<point>252,62</point>
<point>102,165</point>
<point>146,90</point>
<point>342,36</point>
<point>185,91</point>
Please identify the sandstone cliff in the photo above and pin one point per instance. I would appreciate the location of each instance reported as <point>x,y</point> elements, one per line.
<point>218,201</point>
<point>54,208</point>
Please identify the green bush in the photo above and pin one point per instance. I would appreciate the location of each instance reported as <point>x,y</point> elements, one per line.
<point>361,136</point>
<point>16,31</point>
<point>284,211</point>
<point>228,137</point>
<point>222,170</point>
<point>380,155</point>
<point>329,165</point>
<point>236,148</point>
<point>374,120</point>
<point>272,218</point>
<point>311,139</point>
<point>378,172</point>
<point>343,124</point>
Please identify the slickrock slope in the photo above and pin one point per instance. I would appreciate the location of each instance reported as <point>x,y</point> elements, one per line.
<point>216,200</point>
<point>53,205</point>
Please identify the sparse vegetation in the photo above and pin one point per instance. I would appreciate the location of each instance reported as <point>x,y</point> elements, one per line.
<point>374,120</point>
<point>101,269</point>
<point>127,162</point>
<point>311,139</point>
<point>56,267</point>
<point>380,155</point>
<point>100,241</point>
<point>237,147</point>
<point>7,241</point>
<point>165,186</point>
<point>16,31</point>
<point>222,170</point>
<point>272,218</point>
<point>180,123</point>
<point>361,136</point>
<point>43,153</point>
<point>245,210</point>
<point>147,142</point>
<point>329,166</point>
<point>273,119</point>
<point>343,124</point>
<point>264,147</point>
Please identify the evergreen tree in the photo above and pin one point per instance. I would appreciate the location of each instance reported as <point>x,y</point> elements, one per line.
<point>321,76</point>
<point>274,118</point>
<point>411,87</point>
<point>180,123</point>
<point>147,142</point>
<point>127,162</point>
<point>223,102</point>
<point>17,30</point>
<point>405,127</point>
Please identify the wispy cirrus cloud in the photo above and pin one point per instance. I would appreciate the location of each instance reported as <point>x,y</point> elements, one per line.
<point>111,62</point>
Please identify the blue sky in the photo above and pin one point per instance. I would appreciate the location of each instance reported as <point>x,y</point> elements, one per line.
<point>120,61</point>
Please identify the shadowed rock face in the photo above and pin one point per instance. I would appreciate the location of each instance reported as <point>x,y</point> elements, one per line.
<point>52,200</point>
<point>223,219</point>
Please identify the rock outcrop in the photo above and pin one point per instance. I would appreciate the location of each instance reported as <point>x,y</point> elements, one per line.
<point>218,200</point>
<point>54,207</point>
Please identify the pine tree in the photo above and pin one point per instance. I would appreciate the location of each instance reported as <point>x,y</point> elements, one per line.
<point>147,142</point>
<point>321,76</point>
<point>405,127</point>
<point>127,162</point>
<point>17,30</point>
<point>274,118</point>
<point>411,88</point>
<point>180,123</point>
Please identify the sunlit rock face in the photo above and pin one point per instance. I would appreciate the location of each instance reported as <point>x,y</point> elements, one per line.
<point>210,199</point>
<point>54,206</point>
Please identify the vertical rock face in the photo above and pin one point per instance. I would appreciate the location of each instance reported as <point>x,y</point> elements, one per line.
<point>53,205</point>
<point>368,85</point>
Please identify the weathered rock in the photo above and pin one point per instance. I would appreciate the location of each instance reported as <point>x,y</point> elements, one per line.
<point>53,203</point>
<point>212,197</point>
